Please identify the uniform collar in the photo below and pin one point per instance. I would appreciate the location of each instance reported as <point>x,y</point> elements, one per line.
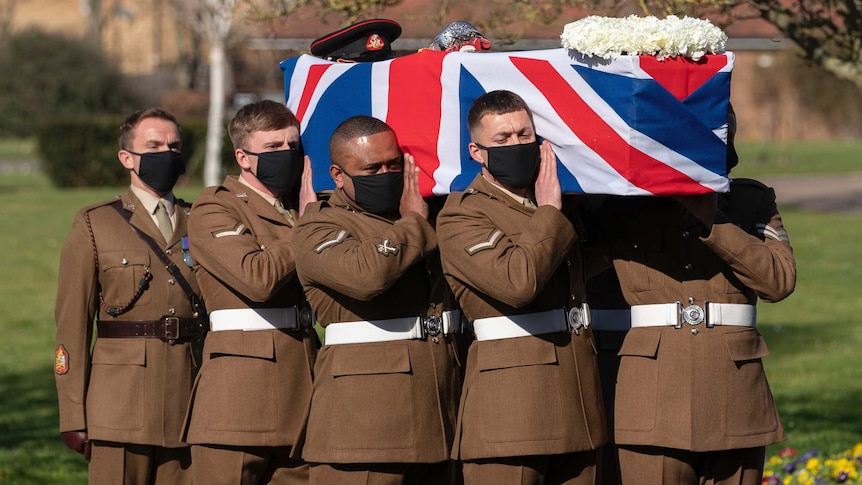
<point>270,199</point>
<point>524,201</point>
<point>482,185</point>
<point>150,201</point>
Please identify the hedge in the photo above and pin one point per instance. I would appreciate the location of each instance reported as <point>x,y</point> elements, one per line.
<point>82,152</point>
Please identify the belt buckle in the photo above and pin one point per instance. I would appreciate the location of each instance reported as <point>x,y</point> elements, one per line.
<point>432,325</point>
<point>172,329</point>
<point>304,317</point>
<point>693,314</point>
<point>578,318</point>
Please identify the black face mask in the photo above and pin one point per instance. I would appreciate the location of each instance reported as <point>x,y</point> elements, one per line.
<point>514,166</point>
<point>380,193</point>
<point>160,170</point>
<point>280,170</point>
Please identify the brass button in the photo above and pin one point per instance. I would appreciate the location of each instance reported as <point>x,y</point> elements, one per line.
<point>694,331</point>
<point>686,234</point>
<point>688,267</point>
<point>171,281</point>
<point>171,311</point>
<point>168,251</point>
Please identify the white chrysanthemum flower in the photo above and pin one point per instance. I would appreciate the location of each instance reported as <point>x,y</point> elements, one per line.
<point>609,37</point>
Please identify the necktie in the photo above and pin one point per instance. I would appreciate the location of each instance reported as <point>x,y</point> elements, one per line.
<point>284,212</point>
<point>164,221</point>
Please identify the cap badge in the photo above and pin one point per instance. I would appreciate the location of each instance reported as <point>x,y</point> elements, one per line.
<point>374,43</point>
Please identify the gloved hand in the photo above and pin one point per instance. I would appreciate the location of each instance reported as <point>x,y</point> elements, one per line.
<point>77,441</point>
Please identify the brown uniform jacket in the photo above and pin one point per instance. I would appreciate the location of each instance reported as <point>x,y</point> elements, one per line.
<point>696,388</point>
<point>381,402</point>
<point>254,387</point>
<point>128,390</point>
<point>535,395</point>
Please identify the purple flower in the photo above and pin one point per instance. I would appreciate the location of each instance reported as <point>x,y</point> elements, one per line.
<point>843,476</point>
<point>790,467</point>
<point>809,455</point>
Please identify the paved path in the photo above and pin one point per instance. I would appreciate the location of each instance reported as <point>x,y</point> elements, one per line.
<point>834,193</point>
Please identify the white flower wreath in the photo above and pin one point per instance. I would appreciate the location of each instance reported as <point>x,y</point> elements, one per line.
<point>609,37</point>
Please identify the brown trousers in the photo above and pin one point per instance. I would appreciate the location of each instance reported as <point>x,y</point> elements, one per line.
<point>568,468</point>
<point>131,464</point>
<point>650,465</point>
<point>247,465</point>
<point>384,473</point>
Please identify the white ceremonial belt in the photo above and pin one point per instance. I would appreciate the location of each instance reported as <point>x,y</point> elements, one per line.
<point>551,321</point>
<point>405,328</point>
<point>610,320</point>
<point>250,319</point>
<point>674,314</point>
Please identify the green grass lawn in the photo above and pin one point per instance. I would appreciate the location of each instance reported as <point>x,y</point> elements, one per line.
<point>798,158</point>
<point>815,335</point>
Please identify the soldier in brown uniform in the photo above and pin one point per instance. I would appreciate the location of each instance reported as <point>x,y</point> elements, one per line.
<point>126,265</point>
<point>386,382</point>
<point>531,409</point>
<point>692,401</point>
<point>252,395</point>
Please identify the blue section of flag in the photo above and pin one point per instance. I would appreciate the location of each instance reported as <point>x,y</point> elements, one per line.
<point>330,112</point>
<point>661,117</point>
<point>468,90</point>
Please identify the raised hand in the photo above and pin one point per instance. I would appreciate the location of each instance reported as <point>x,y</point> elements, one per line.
<point>548,191</point>
<point>411,199</point>
<point>306,190</point>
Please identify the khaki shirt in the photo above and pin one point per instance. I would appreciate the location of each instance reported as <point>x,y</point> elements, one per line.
<point>534,395</point>
<point>254,387</point>
<point>128,390</point>
<point>376,402</point>
<point>697,388</point>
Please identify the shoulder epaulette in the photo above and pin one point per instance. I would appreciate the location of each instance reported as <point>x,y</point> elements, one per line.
<point>103,203</point>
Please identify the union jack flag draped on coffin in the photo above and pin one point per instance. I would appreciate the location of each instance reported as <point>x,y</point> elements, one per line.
<point>631,126</point>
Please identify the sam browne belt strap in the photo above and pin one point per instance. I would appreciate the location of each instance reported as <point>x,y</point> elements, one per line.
<point>168,329</point>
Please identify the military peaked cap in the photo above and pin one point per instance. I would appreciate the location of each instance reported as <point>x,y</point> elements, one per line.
<point>366,41</point>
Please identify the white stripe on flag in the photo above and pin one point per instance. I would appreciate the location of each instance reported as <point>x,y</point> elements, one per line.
<point>380,89</point>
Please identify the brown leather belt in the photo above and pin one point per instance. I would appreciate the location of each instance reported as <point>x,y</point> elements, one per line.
<point>168,329</point>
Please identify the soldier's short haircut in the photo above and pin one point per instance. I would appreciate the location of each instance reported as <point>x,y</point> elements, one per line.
<point>497,103</point>
<point>265,115</point>
<point>127,127</point>
<point>350,129</point>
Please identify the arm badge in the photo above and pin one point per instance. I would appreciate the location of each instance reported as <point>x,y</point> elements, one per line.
<point>386,248</point>
<point>61,361</point>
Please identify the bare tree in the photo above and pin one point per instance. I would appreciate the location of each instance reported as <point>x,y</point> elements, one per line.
<point>96,18</point>
<point>7,12</point>
<point>212,20</point>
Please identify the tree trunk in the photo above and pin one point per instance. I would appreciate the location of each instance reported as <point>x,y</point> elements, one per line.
<point>215,120</point>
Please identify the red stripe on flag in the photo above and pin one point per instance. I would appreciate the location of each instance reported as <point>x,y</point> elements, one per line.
<point>315,72</point>
<point>637,167</point>
<point>682,76</point>
<point>414,111</point>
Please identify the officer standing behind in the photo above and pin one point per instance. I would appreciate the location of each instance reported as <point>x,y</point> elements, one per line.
<point>386,383</point>
<point>531,410</point>
<point>692,402</point>
<point>125,264</point>
<point>251,398</point>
